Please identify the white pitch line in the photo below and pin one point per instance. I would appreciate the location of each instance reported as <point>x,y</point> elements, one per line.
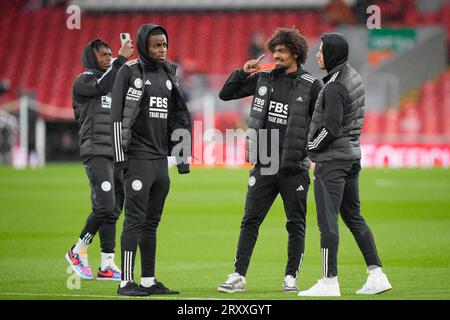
<point>160,297</point>
<point>156,297</point>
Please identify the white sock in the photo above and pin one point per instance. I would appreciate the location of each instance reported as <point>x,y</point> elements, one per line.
<point>330,281</point>
<point>107,260</point>
<point>123,283</point>
<point>80,246</point>
<point>375,270</point>
<point>147,281</point>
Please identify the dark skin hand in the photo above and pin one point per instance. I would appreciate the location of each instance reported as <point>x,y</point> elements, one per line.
<point>282,57</point>
<point>104,54</point>
<point>157,48</point>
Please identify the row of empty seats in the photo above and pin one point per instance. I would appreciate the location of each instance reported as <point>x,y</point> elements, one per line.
<point>425,115</point>
<point>43,55</point>
<point>405,13</point>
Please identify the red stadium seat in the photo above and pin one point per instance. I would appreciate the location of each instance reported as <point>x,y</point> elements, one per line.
<point>213,42</point>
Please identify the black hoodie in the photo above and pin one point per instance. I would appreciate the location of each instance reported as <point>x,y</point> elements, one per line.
<point>334,49</point>
<point>91,103</point>
<point>142,36</point>
<point>335,55</point>
<point>88,59</point>
<point>158,103</point>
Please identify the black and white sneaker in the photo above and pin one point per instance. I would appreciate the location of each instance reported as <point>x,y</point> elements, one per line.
<point>132,289</point>
<point>289,284</point>
<point>234,283</point>
<point>157,288</point>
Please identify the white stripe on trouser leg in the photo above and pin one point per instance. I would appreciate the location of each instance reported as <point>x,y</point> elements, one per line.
<point>126,265</point>
<point>323,261</point>
<point>299,265</point>
<point>124,269</point>
<point>130,264</point>
<point>87,238</point>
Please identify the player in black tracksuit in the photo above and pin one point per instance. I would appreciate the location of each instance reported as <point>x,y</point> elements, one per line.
<point>147,108</point>
<point>283,101</point>
<point>91,97</point>
<point>335,148</point>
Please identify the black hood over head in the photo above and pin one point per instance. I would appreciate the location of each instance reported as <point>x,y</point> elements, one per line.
<point>88,58</point>
<point>142,36</point>
<point>334,50</point>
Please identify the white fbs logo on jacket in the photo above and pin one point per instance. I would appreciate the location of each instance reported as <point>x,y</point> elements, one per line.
<point>158,107</point>
<point>278,112</point>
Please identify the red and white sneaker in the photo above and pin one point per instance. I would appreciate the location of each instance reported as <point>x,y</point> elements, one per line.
<point>80,267</point>
<point>111,272</point>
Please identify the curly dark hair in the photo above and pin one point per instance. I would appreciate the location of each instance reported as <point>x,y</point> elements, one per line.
<point>293,40</point>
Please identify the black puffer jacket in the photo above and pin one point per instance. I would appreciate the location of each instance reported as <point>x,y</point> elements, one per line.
<point>339,112</point>
<point>91,101</point>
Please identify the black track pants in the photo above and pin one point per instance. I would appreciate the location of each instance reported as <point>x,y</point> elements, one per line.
<point>107,197</point>
<point>262,191</point>
<point>336,189</point>
<point>146,187</point>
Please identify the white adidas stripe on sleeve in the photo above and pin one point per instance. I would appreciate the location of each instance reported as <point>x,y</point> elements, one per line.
<point>314,144</point>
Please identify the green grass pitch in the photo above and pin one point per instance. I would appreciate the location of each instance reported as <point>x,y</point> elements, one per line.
<point>42,212</point>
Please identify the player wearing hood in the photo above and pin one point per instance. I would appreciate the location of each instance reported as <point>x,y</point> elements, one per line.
<point>147,108</point>
<point>91,97</point>
<point>335,148</point>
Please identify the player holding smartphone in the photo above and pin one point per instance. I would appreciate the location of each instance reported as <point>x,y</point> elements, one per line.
<point>91,97</point>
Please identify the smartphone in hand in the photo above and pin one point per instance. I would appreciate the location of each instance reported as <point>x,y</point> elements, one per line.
<point>124,37</point>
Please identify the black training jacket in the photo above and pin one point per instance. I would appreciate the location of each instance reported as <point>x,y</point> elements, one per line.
<point>339,112</point>
<point>127,103</point>
<point>301,96</point>
<point>91,101</point>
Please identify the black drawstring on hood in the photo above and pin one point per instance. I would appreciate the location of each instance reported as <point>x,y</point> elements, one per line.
<point>142,36</point>
<point>334,50</point>
<point>88,58</point>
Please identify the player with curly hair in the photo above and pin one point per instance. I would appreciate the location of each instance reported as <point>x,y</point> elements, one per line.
<point>283,102</point>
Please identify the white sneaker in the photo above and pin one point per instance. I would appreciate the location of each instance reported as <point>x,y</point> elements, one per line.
<point>234,283</point>
<point>377,282</point>
<point>290,284</point>
<point>322,289</point>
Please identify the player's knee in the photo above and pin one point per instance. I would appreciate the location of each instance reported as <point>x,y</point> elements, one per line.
<point>295,228</point>
<point>151,224</point>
